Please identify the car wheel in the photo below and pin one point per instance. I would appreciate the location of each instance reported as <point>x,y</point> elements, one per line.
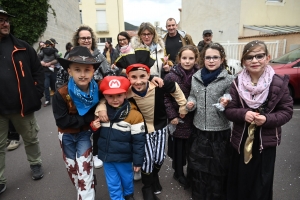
<point>291,91</point>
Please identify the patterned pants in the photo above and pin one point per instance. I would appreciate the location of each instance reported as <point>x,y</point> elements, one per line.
<point>77,155</point>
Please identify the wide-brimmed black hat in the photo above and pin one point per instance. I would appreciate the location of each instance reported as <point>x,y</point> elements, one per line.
<point>5,13</point>
<point>80,55</point>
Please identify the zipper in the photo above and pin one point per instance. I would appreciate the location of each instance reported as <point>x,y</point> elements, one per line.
<point>108,139</point>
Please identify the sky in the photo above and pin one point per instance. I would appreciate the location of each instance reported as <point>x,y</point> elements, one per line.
<point>138,11</point>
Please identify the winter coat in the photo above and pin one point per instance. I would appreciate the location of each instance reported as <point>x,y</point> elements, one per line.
<point>183,130</point>
<point>201,45</point>
<point>28,77</point>
<point>185,38</point>
<point>278,111</point>
<point>48,54</point>
<point>207,117</point>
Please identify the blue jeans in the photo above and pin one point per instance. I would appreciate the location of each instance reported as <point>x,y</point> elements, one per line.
<point>50,79</point>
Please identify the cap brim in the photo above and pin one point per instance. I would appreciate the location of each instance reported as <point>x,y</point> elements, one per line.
<point>3,13</point>
<point>114,91</point>
<point>65,63</point>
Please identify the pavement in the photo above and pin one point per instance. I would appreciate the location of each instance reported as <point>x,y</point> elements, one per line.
<point>56,184</point>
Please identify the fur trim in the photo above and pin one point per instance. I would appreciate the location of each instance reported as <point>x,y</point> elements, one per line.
<point>136,42</point>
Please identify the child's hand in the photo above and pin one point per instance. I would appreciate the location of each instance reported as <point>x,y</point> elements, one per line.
<point>167,68</point>
<point>95,125</point>
<point>224,101</point>
<point>103,116</point>
<point>250,116</point>
<point>190,105</point>
<point>260,120</point>
<point>157,81</point>
<point>136,169</point>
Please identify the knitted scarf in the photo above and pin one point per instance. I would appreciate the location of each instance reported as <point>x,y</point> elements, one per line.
<point>208,77</point>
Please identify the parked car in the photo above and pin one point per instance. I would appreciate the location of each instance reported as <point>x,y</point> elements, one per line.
<point>289,64</point>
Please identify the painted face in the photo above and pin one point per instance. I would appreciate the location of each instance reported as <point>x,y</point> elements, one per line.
<point>256,61</point>
<point>85,39</point>
<point>147,37</point>
<point>212,59</point>
<point>187,59</point>
<point>122,40</point>
<point>115,100</point>
<point>138,79</point>
<point>82,75</point>
<point>171,27</point>
<point>4,26</point>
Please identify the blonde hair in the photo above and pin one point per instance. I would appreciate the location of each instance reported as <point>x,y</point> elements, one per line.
<point>149,27</point>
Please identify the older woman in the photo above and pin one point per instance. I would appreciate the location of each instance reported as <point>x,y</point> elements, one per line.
<point>147,37</point>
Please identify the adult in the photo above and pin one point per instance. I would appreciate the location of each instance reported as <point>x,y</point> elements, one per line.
<point>21,92</point>
<point>147,37</point>
<point>108,52</point>
<point>69,46</point>
<point>41,46</point>
<point>207,39</point>
<point>175,39</point>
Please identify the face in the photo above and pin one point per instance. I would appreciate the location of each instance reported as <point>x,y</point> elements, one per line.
<point>138,79</point>
<point>82,74</point>
<point>85,39</point>
<point>171,27</point>
<point>187,59</point>
<point>207,38</point>
<point>106,44</point>
<point>4,26</point>
<point>42,44</point>
<point>122,41</point>
<point>212,59</point>
<point>115,100</point>
<point>256,61</point>
<point>147,37</point>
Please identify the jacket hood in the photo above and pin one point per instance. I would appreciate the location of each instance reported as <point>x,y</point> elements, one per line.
<point>137,43</point>
<point>181,33</point>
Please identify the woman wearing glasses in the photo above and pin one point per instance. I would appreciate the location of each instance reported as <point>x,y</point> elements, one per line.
<point>260,105</point>
<point>209,143</point>
<point>147,37</point>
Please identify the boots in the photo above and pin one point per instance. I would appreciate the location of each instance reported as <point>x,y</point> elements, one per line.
<point>147,180</point>
<point>157,188</point>
<point>129,197</point>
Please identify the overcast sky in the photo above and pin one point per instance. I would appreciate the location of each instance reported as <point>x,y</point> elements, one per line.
<point>138,11</point>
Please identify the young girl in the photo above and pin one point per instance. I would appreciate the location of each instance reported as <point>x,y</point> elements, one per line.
<point>177,142</point>
<point>209,150</point>
<point>260,105</point>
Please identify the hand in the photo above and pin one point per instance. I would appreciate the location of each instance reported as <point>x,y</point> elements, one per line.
<point>103,116</point>
<point>260,120</point>
<point>181,115</point>
<point>113,66</point>
<point>224,101</point>
<point>174,121</point>
<point>250,116</point>
<point>136,169</point>
<point>190,105</point>
<point>167,68</point>
<point>157,81</point>
<point>96,124</point>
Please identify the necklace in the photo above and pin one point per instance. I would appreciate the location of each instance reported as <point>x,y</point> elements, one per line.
<point>254,84</point>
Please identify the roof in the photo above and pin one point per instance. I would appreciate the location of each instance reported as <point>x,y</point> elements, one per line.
<point>130,27</point>
<point>274,29</point>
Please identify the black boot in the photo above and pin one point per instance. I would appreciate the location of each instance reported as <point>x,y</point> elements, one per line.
<point>129,197</point>
<point>157,188</point>
<point>147,180</point>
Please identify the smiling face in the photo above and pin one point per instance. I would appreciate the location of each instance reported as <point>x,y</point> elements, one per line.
<point>139,79</point>
<point>212,59</point>
<point>82,75</point>
<point>4,26</point>
<point>171,27</point>
<point>85,39</point>
<point>115,100</point>
<point>187,59</point>
<point>122,41</point>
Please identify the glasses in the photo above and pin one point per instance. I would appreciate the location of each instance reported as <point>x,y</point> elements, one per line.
<point>85,38</point>
<point>2,21</point>
<point>121,40</point>
<point>214,58</point>
<point>146,34</point>
<point>258,57</point>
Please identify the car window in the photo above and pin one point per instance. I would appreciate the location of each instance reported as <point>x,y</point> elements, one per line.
<point>288,58</point>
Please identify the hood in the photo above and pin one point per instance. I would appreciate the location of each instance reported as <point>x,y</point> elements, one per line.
<point>181,33</point>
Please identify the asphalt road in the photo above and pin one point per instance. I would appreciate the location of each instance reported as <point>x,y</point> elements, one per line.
<point>56,184</point>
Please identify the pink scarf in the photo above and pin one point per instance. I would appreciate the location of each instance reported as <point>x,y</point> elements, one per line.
<point>125,49</point>
<point>254,96</point>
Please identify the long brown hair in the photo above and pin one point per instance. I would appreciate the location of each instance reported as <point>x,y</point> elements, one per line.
<point>215,46</point>
<point>188,47</point>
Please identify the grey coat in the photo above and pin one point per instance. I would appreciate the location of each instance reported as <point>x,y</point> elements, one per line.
<point>207,117</point>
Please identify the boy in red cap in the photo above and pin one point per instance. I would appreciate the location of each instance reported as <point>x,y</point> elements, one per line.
<point>122,139</point>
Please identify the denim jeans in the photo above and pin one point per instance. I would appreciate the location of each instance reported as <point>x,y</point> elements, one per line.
<point>50,79</point>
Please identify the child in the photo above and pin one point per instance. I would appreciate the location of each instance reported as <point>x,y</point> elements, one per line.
<point>149,100</point>
<point>209,151</point>
<point>73,109</point>
<point>122,139</point>
<point>177,142</point>
<point>260,105</point>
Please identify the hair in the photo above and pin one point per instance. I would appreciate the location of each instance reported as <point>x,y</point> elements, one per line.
<point>149,27</point>
<point>109,48</point>
<point>215,46</point>
<point>249,47</point>
<point>193,48</point>
<point>86,28</point>
<point>170,19</point>
<point>69,46</point>
<point>124,34</point>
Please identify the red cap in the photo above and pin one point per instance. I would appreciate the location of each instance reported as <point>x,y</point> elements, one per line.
<point>137,65</point>
<point>114,85</point>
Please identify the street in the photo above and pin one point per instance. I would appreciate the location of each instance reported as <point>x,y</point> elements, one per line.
<point>56,184</point>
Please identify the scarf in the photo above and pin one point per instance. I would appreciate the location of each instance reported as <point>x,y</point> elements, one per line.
<point>125,49</point>
<point>208,77</point>
<point>187,75</point>
<point>152,47</point>
<point>254,96</point>
<point>82,100</point>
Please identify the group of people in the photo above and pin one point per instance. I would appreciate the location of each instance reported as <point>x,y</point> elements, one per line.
<point>124,119</point>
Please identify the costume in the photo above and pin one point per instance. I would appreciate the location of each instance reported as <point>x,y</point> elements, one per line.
<point>259,172</point>
<point>21,92</point>
<point>209,151</point>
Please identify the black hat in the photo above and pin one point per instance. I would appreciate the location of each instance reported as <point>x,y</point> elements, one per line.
<point>48,42</point>
<point>5,13</point>
<point>80,55</point>
<point>53,40</point>
<point>140,56</point>
<point>207,32</point>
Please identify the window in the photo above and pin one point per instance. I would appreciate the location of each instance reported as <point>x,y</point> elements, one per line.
<point>100,1</point>
<point>101,16</point>
<point>103,40</point>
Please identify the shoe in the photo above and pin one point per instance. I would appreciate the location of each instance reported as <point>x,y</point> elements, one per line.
<point>137,176</point>
<point>7,142</point>
<point>52,92</point>
<point>97,162</point>
<point>46,103</point>
<point>129,197</point>
<point>181,180</point>
<point>13,145</point>
<point>37,171</point>
<point>2,188</point>
<point>157,188</point>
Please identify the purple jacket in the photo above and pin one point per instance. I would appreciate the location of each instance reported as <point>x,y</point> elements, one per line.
<point>183,130</point>
<point>278,111</point>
